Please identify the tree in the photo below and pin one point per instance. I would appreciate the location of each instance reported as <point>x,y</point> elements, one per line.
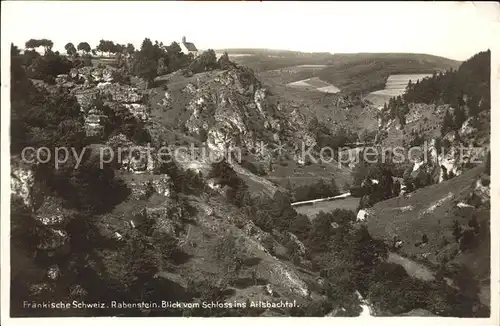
<point>402,119</point>
<point>105,46</point>
<point>409,86</point>
<point>459,118</point>
<point>70,49</point>
<point>205,62</point>
<point>456,230</point>
<point>396,188</point>
<point>32,44</point>
<point>14,50</point>
<point>146,69</point>
<point>208,60</point>
<point>128,270</point>
<point>229,252</point>
<point>146,60</point>
<point>487,165</point>
<point>88,188</point>
<point>48,66</point>
<point>117,48</point>
<point>84,46</point>
<point>473,104</point>
<point>130,49</point>
<point>224,62</point>
<point>174,49</point>
<point>300,226</point>
<point>447,123</point>
<point>47,45</point>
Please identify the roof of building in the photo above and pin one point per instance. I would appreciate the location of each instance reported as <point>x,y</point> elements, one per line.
<point>190,46</point>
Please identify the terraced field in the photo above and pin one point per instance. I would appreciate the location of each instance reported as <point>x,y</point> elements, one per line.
<point>394,86</point>
<point>314,84</point>
<point>399,82</point>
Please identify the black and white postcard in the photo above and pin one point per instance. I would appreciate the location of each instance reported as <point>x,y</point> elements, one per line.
<point>250,159</point>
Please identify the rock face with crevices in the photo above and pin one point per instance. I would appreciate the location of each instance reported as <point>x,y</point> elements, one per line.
<point>234,110</point>
<point>23,184</point>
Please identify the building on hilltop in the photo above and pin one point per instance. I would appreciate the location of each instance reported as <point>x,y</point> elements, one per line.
<point>188,48</point>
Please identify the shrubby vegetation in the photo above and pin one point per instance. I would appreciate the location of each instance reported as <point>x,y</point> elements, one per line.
<point>229,252</point>
<point>374,181</point>
<point>342,252</point>
<point>349,259</point>
<point>224,176</point>
<point>36,43</point>
<point>157,59</point>
<point>43,119</point>
<point>206,61</point>
<point>470,79</point>
<point>187,181</point>
<point>272,213</point>
<point>327,138</point>
<point>47,67</point>
<point>53,119</point>
<point>466,89</point>
<point>121,120</point>
<point>367,72</point>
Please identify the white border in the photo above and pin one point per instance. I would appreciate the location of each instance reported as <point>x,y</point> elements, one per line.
<point>5,221</point>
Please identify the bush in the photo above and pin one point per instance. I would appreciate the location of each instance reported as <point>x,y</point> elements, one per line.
<point>273,213</point>
<point>190,182</point>
<point>167,246</point>
<point>320,189</point>
<point>224,174</point>
<point>293,251</point>
<point>49,65</point>
<point>313,309</point>
<point>129,269</point>
<point>300,226</point>
<point>255,168</point>
<point>89,188</point>
<point>205,62</point>
<point>228,251</point>
<point>487,165</point>
<point>239,195</point>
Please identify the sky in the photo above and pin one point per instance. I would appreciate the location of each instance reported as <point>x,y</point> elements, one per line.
<point>450,29</point>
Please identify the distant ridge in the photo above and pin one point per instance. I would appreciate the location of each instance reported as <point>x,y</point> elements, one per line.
<point>350,72</point>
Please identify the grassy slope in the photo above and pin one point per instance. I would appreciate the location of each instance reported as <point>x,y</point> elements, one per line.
<point>417,218</point>
<point>309,103</point>
<point>215,217</point>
